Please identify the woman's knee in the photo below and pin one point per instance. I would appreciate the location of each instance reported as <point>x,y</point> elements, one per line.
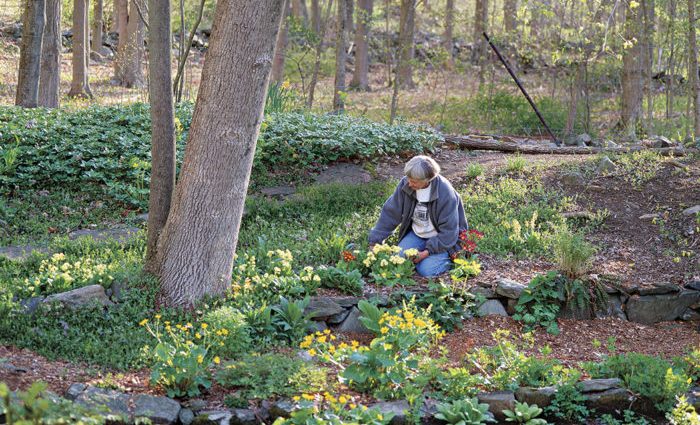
<point>433,266</point>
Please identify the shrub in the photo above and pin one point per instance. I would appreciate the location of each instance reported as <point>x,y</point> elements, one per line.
<point>572,253</point>
<point>539,303</point>
<point>237,338</point>
<point>447,303</point>
<point>267,375</point>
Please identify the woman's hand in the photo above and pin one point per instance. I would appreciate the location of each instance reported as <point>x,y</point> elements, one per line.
<point>422,255</point>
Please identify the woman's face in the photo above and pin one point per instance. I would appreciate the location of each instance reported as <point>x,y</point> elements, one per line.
<point>417,184</point>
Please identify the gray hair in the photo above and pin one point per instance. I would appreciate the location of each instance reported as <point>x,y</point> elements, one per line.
<point>421,167</point>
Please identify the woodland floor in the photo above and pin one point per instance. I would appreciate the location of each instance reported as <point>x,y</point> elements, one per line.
<point>632,248</point>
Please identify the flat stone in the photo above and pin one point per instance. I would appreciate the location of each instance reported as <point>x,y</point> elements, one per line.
<point>81,296</point>
<point>660,308</point>
<point>693,397</point>
<point>9,367</point>
<point>540,396</point>
<point>648,216</point>
<point>338,318</point>
<point>597,385</point>
<point>121,235</point>
<point>21,252</point>
<point>142,218</point>
<point>573,179</point>
<point>319,326</point>
<point>281,409</point>
<point>160,410</point>
<point>690,315</point>
<point>30,305</point>
<point>498,401</point>
<point>659,289</point>
<point>399,408</point>
<point>509,288</point>
<point>610,400</point>
<point>486,292</point>
<point>244,417</point>
<point>692,210</point>
<point>694,285</point>
<point>352,323</point>
<point>115,402</point>
<point>196,404</point>
<point>74,391</point>
<point>346,302</point>
<point>492,307</point>
<point>213,417</point>
<point>344,173</point>
<point>278,191</point>
<point>662,142</point>
<point>605,166</point>
<point>186,416</point>
<point>322,308</point>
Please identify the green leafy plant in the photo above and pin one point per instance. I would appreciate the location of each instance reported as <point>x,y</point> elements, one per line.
<point>539,303</point>
<point>458,383</point>
<point>515,164</point>
<point>628,418</point>
<point>572,253</point>
<point>290,319</point>
<point>569,404</point>
<point>330,248</point>
<point>683,413</point>
<point>267,375</point>
<point>280,98</point>
<point>330,410</point>
<point>233,331</point>
<point>474,170</point>
<point>525,414</point>
<point>449,303</point>
<point>464,412</point>
<point>56,274</point>
<point>387,267</point>
<point>349,282</point>
<point>464,268</point>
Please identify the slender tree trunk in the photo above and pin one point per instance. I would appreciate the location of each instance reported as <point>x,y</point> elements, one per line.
<point>671,59</point>
<point>299,10</point>
<point>360,79</point>
<point>632,71</point>
<point>406,48</point>
<point>50,75</point>
<point>80,86</point>
<point>97,24</point>
<point>481,17</point>
<point>648,52</point>
<point>121,9</point>
<point>315,16</point>
<point>694,82</point>
<point>577,85</point>
<point>132,70</point>
<point>448,38</point>
<point>281,46</point>
<point>319,52</point>
<point>340,57</point>
<point>162,126</point>
<point>350,22</point>
<point>510,17</point>
<point>198,243</point>
<point>33,23</point>
<point>179,83</point>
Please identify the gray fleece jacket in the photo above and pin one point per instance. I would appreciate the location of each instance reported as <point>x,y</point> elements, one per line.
<point>446,214</point>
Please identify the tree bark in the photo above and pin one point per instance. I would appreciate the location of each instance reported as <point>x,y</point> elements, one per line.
<point>121,11</point>
<point>162,126</point>
<point>693,66</point>
<point>360,79</point>
<point>510,19</point>
<point>132,70</point>
<point>33,22</point>
<point>406,49</point>
<point>97,24</point>
<point>350,10</point>
<point>340,57</point>
<point>491,144</point>
<point>315,16</point>
<point>198,243</point>
<point>319,52</point>
<point>632,71</point>
<point>448,37</point>
<point>50,74</point>
<point>481,16</point>
<point>281,46</point>
<point>80,86</point>
<point>299,10</point>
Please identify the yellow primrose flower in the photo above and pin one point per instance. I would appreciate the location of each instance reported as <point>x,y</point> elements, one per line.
<point>143,322</point>
<point>384,330</point>
<point>224,332</point>
<point>200,359</point>
<point>388,346</point>
<point>352,405</point>
<point>312,352</point>
<point>354,344</point>
<point>158,316</point>
<point>198,335</point>
<point>217,360</point>
<point>308,397</point>
<point>296,398</point>
<point>342,399</point>
<point>204,325</point>
<point>321,339</point>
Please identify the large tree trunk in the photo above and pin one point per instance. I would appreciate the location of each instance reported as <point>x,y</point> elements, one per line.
<point>360,79</point>
<point>121,12</point>
<point>162,126</point>
<point>448,37</point>
<point>50,75</point>
<point>315,16</point>
<point>510,17</point>
<point>281,46</point>
<point>648,55</point>
<point>340,57</point>
<point>132,71</point>
<point>80,87</point>
<point>97,24</point>
<point>632,71</point>
<point>33,22</point>
<point>693,65</point>
<point>199,240</point>
<point>406,50</point>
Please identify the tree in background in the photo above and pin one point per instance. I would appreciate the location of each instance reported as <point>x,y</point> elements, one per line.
<point>50,74</point>
<point>693,67</point>
<point>281,45</point>
<point>121,17</point>
<point>80,85</point>
<point>340,57</point>
<point>97,24</point>
<point>162,126</point>
<point>360,78</point>
<point>632,71</point>
<point>447,35</point>
<point>404,67</point>
<point>131,67</point>
<point>197,245</point>
<point>34,19</point>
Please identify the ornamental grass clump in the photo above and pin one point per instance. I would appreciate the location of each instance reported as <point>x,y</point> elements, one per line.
<point>181,358</point>
<point>387,267</point>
